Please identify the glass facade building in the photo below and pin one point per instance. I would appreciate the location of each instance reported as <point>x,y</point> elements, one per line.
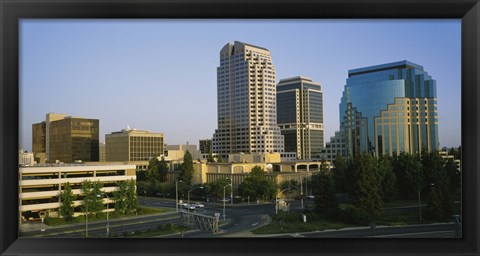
<point>300,116</point>
<point>66,139</point>
<point>246,102</point>
<point>389,109</point>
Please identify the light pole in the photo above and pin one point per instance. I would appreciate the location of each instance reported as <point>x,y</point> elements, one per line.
<point>276,197</point>
<point>306,185</point>
<point>301,190</point>
<point>176,193</point>
<point>231,191</point>
<point>188,194</point>
<point>86,217</point>
<point>419,203</point>
<point>108,220</point>
<point>224,199</point>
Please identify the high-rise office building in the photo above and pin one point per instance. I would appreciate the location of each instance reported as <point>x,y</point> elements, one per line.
<point>133,145</point>
<point>246,102</point>
<point>205,146</point>
<point>300,116</point>
<point>389,109</point>
<point>39,137</point>
<point>66,139</point>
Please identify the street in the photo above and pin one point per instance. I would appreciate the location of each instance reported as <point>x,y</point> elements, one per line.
<point>239,220</point>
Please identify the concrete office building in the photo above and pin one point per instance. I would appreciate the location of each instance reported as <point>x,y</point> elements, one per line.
<point>25,158</point>
<point>246,102</point>
<point>389,109</point>
<point>102,152</point>
<point>336,146</point>
<point>66,139</point>
<point>133,145</point>
<point>300,116</point>
<point>39,186</point>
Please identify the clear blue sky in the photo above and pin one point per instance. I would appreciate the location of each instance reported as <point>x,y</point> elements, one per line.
<point>160,75</point>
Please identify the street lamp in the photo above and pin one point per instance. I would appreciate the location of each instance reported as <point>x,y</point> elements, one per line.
<point>108,220</point>
<point>301,191</point>
<point>231,191</point>
<point>224,198</point>
<point>176,192</point>
<point>86,217</point>
<point>276,197</point>
<point>419,204</point>
<point>188,194</point>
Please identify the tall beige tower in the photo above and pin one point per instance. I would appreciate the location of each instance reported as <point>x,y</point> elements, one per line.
<point>246,102</point>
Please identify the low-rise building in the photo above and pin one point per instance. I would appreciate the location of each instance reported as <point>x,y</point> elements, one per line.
<point>133,145</point>
<point>25,158</point>
<point>40,186</point>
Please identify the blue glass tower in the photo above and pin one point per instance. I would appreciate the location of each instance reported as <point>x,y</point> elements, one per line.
<point>388,109</point>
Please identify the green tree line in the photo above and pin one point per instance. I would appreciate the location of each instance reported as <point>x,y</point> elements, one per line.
<point>370,182</point>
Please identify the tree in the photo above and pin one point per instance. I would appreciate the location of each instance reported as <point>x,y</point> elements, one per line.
<point>162,170</point>
<point>256,185</point>
<point>409,173</point>
<point>386,177</point>
<point>324,192</point>
<point>120,196</point>
<point>323,165</point>
<point>292,186</point>
<point>367,187</point>
<point>187,172</point>
<point>215,188</point>
<point>454,177</point>
<point>210,158</point>
<point>91,200</point>
<point>152,171</point>
<point>339,173</point>
<point>440,200</point>
<point>66,202</point>
<point>166,189</point>
<point>131,200</point>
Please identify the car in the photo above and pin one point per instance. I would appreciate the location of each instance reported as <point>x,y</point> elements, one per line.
<point>198,205</point>
<point>190,207</point>
<point>225,200</point>
<point>311,197</point>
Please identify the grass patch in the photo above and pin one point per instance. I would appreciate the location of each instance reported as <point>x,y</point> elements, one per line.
<point>103,216</point>
<point>291,227</point>
<point>292,222</point>
<point>401,203</point>
<point>398,218</point>
<point>162,229</point>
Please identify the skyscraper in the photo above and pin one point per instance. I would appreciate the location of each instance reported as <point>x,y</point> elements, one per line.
<point>66,139</point>
<point>300,116</point>
<point>246,104</point>
<point>389,109</point>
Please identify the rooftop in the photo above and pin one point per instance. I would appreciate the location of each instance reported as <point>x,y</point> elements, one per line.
<point>381,67</point>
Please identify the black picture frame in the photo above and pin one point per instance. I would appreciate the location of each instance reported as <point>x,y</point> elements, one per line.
<point>13,10</point>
